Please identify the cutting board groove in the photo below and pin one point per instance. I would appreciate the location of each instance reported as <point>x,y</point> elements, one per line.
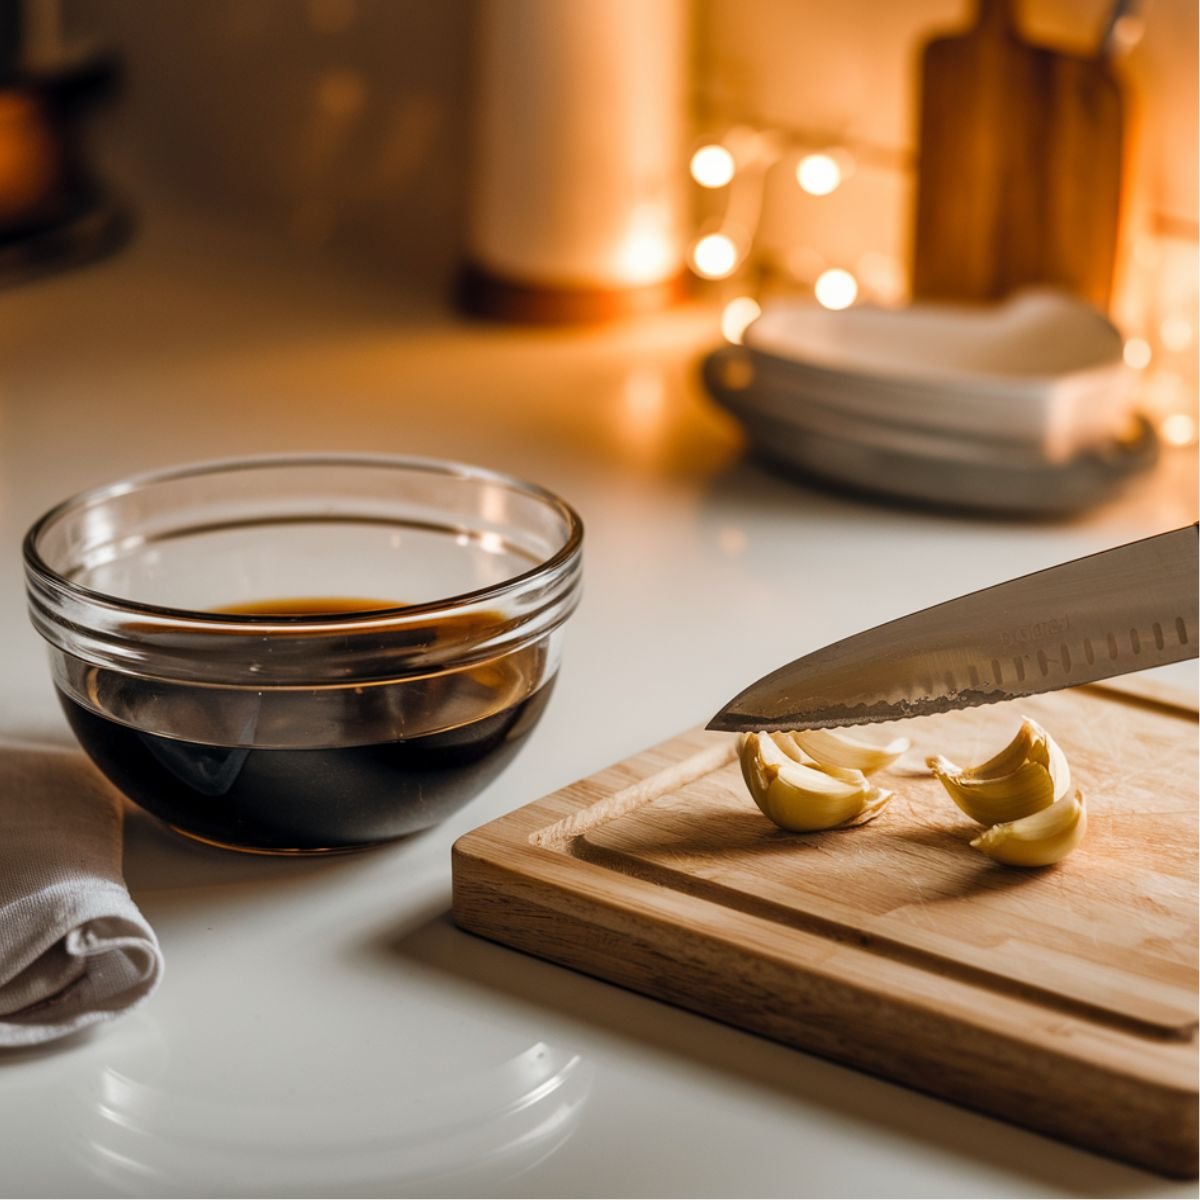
<point>1163,1018</point>
<point>1063,999</point>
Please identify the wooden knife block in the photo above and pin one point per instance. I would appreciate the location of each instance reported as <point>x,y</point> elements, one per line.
<point>1020,171</point>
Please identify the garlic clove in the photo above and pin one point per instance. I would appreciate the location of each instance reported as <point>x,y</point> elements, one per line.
<point>1039,840</point>
<point>1027,790</point>
<point>836,748</point>
<point>804,797</point>
<point>1030,774</point>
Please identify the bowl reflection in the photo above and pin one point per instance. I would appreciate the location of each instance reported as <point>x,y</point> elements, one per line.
<point>372,1128</point>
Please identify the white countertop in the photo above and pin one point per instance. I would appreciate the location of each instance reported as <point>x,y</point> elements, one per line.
<point>322,1027</point>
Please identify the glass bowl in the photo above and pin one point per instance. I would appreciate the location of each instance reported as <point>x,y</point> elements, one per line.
<point>300,654</point>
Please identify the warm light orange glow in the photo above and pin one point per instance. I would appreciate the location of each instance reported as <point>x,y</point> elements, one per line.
<point>1165,392</point>
<point>881,277</point>
<point>341,94</point>
<point>818,174</point>
<point>1126,32</point>
<point>1176,334</point>
<point>1137,353</point>
<point>1178,429</point>
<point>738,315</point>
<point>645,256</point>
<point>30,156</point>
<point>804,263</point>
<point>731,540</point>
<point>715,256</point>
<point>331,16</point>
<point>712,166</point>
<point>643,414</point>
<point>836,288</point>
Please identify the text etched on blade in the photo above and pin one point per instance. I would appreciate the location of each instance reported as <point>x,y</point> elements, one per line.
<point>1037,631</point>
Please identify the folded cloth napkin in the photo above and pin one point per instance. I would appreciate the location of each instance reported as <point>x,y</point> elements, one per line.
<point>74,949</point>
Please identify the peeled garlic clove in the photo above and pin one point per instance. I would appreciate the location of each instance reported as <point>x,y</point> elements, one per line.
<point>776,748</point>
<point>1039,840</point>
<point>1006,761</point>
<point>1031,744</point>
<point>1045,750</point>
<point>1028,775</point>
<point>751,759</point>
<point>787,743</point>
<point>805,798</point>
<point>780,750</point>
<point>796,805</point>
<point>836,748</point>
<point>1029,789</point>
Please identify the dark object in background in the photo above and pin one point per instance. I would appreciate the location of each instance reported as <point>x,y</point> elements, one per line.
<point>1020,165</point>
<point>480,293</point>
<point>54,212</point>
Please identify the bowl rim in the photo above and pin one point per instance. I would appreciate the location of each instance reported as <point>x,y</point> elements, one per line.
<point>36,565</point>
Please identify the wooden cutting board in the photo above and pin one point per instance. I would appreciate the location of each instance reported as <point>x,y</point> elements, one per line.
<point>1019,177</point>
<point>1063,999</point>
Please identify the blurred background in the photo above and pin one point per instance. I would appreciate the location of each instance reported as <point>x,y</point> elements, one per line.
<point>583,161</point>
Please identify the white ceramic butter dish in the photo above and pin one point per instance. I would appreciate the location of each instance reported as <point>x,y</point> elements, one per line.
<point>1042,370</point>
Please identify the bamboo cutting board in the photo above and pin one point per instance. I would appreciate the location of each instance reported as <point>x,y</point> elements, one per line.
<point>1019,180</point>
<point>1063,999</point>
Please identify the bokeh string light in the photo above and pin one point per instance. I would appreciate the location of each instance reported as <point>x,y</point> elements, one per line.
<point>836,288</point>
<point>737,317</point>
<point>738,166</point>
<point>1178,429</point>
<point>712,166</point>
<point>734,170</point>
<point>1137,353</point>
<point>715,256</point>
<point>818,174</point>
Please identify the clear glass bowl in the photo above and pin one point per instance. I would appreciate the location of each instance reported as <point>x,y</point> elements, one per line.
<point>398,630</point>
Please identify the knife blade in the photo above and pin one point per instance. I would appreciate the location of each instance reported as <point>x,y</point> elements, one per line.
<point>1126,609</point>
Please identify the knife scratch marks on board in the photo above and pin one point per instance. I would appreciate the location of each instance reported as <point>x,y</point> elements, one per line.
<point>920,899</point>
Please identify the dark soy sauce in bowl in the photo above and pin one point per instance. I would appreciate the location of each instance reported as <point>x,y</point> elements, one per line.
<point>301,800</point>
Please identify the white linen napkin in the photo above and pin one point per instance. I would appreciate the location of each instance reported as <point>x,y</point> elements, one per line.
<point>74,949</point>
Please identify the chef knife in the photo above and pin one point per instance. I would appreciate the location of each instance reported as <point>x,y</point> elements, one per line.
<point>1126,609</point>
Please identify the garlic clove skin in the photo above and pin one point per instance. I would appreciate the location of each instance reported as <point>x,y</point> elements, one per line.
<point>1039,840</point>
<point>875,802</point>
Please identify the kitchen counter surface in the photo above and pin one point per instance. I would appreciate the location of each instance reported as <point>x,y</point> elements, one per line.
<point>322,1027</point>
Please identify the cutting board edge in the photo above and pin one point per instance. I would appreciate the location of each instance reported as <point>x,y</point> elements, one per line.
<point>632,904</point>
<point>529,913</point>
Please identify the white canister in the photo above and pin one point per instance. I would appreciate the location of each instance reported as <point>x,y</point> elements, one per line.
<point>577,201</point>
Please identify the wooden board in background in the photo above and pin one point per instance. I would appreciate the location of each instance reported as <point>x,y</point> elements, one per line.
<point>1063,999</point>
<point>1020,166</point>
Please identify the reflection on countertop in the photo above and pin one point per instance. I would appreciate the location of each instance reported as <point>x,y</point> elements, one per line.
<point>345,1123</point>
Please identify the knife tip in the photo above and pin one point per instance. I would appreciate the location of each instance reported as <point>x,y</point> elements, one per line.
<point>728,722</point>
